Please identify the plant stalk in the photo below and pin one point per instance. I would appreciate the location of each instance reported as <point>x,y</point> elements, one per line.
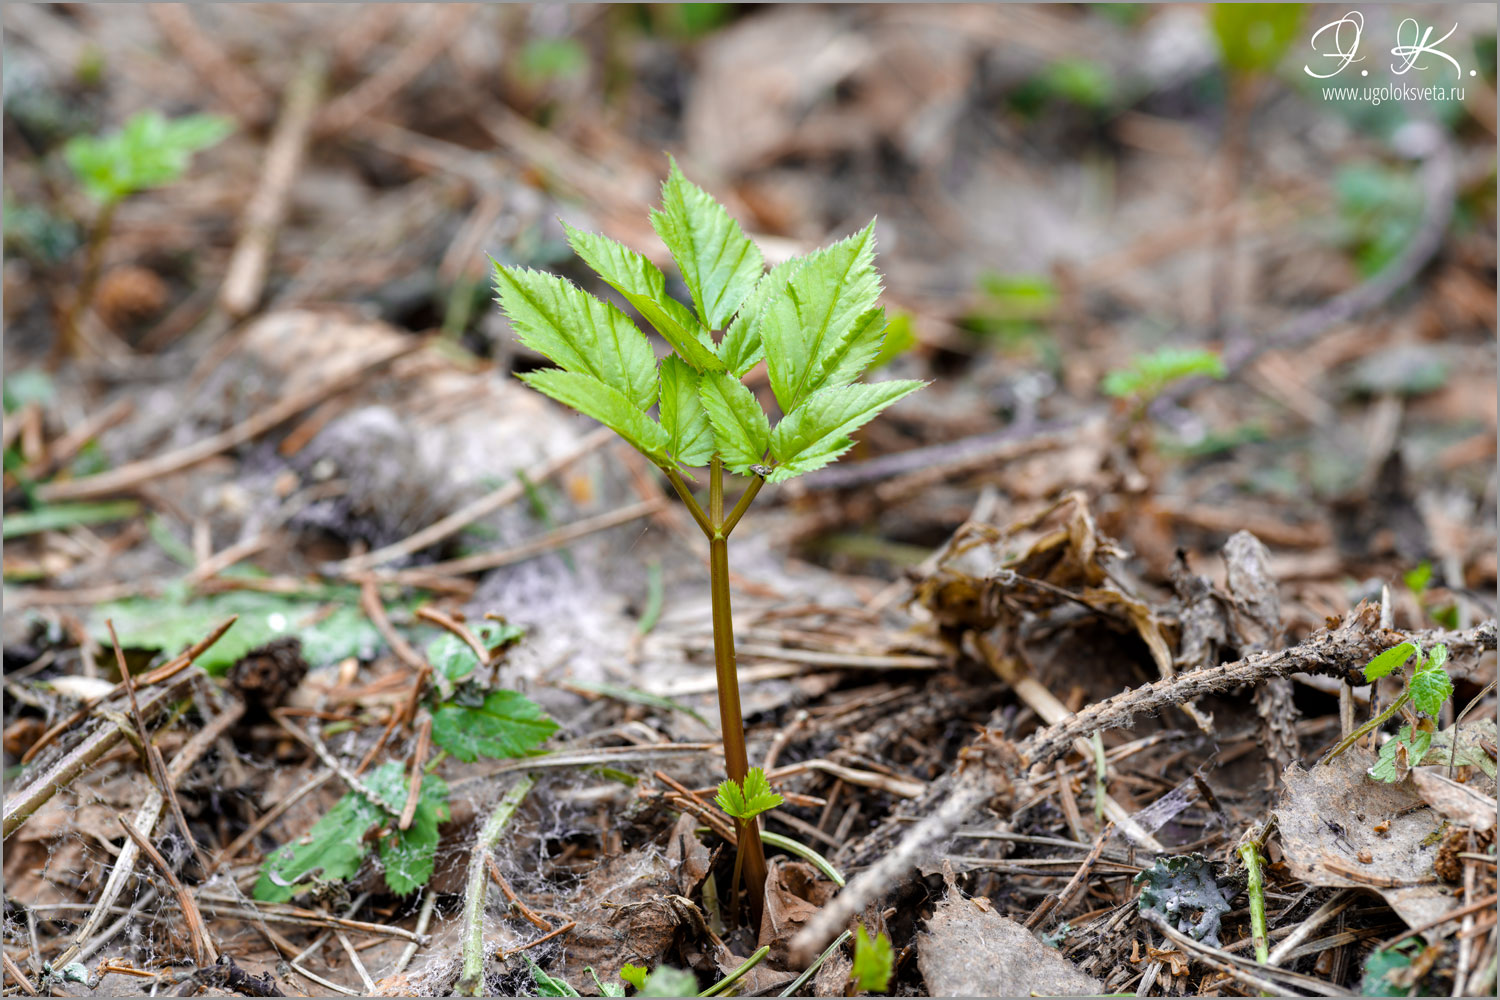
<point>471,978</point>
<point>1255,888</point>
<point>731,721</point>
<point>1375,723</point>
<point>69,341</point>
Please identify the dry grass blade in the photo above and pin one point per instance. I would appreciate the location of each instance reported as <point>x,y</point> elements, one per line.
<point>203,947</point>
<point>14,971</point>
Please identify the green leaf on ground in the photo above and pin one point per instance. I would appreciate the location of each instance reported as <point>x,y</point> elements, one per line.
<point>582,334</point>
<point>741,431</point>
<point>451,657</point>
<point>718,262</point>
<point>635,975</point>
<point>1430,684</point>
<point>873,962</point>
<point>754,798</point>
<point>1148,375</point>
<point>549,986</point>
<point>666,981</point>
<point>337,845</point>
<point>508,724</point>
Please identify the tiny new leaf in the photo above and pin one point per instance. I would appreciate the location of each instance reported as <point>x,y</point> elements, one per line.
<point>337,845</point>
<point>635,975</point>
<point>549,986</point>
<point>873,962</point>
<point>741,430</point>
<point>719,263</point>
<point>1430,684</point>
<point>582,334</point>
<point>753,799</point>
<point>1387,662</point>
<point>149,151</point>
<point>508,724</point>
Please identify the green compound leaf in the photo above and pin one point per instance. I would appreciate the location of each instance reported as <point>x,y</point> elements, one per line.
<point>451,657</point>
<point>873,962</point>
<point>337,845</point>
<point>817,432</point>
<point>741,347</point>
<point>593,398</point>
<point>854,351</point>
<point>1430,684</point>
<point>1387,662</point>
<point>582,334</point>
<point>719,263</point>
<point>803,326</point>
<point>741,430</point>
<point>645,288</point>
<point>690,437</point>
<point>149,151</point>
<point>507,724</point>
<point>1150,374</point>
<point>749,801</point>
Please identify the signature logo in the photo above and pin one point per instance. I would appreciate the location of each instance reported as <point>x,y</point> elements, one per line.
<point>1338,41</point>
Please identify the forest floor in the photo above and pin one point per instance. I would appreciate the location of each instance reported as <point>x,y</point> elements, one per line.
<point>1034,669</point>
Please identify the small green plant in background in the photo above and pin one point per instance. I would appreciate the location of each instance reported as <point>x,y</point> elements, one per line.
<point>1427,687</point>
<point>468,722</point>
<point>149,151</point>
<point>1389,971</point>
<point>1149,375</point>
<point>874,962</point>
<point>1253,37</point>
<point>1016,310</point>
<point>813,320</point>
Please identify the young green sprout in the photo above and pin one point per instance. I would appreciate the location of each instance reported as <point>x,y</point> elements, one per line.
<point>149,151</point>
<point>874,961</point>
<point>812,319</point>
<point>1427,687</point>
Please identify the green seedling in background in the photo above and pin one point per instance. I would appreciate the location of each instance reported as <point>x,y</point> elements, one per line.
<point>148,152</point>
<point>812,319</point>
<point>1016,309</point>
<point>1388,971</point>
<point>1419,581</point>
<point>1427,688</point>
<point>468,722</point>
<point>1379,209</point>
<point>1253,37</point>
<point>874,961</point>
<point>1149,375</point>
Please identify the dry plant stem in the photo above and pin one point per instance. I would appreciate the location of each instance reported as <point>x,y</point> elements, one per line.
<point>330,761</point>
<point>135,474</point>
<point>418,759</point>
<point>14,971</point>
<point>245,278</point>
<point>1336,905</point>
<point>28,800</point>
<point>424,918</point>
<point>471,978</point>
<point>1368,727</point>
<point>203,948</point>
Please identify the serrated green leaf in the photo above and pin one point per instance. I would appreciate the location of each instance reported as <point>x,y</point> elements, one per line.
<point>1386,767</point>
<point>1385,663</point>
<point>824,297</point>
<point>855,349</point>
<point>336,846</point>
<point>741,430</point>
<point>719,263</point>
<point>749,800</point>
<point>817,432</point>
<point>507,725</point>
<point>873,962</point>
<point>451,657</point>
<point>408,855</point>
<point>1417,746</point>
<point>690,437</point>
<point>645,288</point>
<point>1430,685</point>
<point>1150,374</point>
<point>741,347</point>
<point>549,986</point>
<point>593,398</point>
<point>582,334</point>
<point>635,975</point>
